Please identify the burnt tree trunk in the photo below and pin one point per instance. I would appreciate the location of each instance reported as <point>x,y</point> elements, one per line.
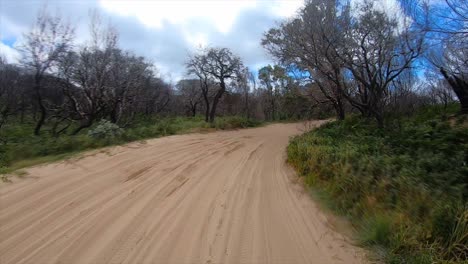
<point>460,87</point>
<point>216,100</point>
<point>194,109</point>
<point>40,103</point>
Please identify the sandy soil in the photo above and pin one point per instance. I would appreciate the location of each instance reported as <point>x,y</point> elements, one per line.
<point>223,197</point>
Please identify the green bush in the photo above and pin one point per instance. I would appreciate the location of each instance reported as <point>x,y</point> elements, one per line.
<point>105,129</point>
<point>234,122</point>
<point>405,186</point>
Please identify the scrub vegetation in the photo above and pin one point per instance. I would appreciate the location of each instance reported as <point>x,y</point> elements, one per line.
<point>403,186</point>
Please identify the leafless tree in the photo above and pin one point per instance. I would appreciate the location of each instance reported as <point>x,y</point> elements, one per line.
<point>196,66</point>
<point>453,61</point>
<point>447,26</point>
<point>378,50</point>
<point>11,90</point>
<point>128,74</point>
<point>90,71</point>
<point>218,65</point>
<point>44,46</point>
<point>245,84</point>
<point>191,93</point>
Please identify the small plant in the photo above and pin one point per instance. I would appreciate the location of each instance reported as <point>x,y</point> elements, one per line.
<point>105,129</point>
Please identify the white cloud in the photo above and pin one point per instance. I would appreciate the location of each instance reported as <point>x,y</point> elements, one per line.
<point>11,55</point>
<point>221,14</point>
<point>156,13</point>
<point>164,31</point>
<point>391,7</point>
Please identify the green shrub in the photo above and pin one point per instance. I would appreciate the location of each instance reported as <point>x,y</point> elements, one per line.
<point>234,122</point>
<point>105,129</point>
<point>405,186</point>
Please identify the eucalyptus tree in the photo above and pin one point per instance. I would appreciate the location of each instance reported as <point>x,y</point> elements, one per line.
<point>310,41</point>
<point>246,84</point>
<point>351,54</point>
<point>276,81</point>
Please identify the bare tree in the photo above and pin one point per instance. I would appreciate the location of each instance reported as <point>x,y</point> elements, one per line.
<point>218,65</point>
<point>438,90</point>
<point>196,66</point>
<point>453,62</point>
<point>90,71</point>
<point>191,94</point>
<point>378,50</point>
<point>245,81</point>
<point>446,23</point>
<point>127,80</point>
<point>11,90</point>
<point>44,46</point>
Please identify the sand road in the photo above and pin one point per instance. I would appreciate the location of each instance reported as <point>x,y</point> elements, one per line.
<point>223,197</point>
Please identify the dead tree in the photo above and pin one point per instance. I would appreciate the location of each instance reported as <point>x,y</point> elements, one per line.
<point>214,65</point>
<point>45,45</point>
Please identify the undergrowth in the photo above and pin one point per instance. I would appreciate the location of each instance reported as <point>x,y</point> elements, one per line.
<point>19,148</point>
<point>404,187</point>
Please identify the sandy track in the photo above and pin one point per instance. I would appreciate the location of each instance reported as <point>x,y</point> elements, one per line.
<point>224,197</point>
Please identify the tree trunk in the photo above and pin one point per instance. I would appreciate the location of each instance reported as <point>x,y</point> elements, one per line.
<point>194,110</point>
<point>87,124</point>
<point>216,100</point>
<point>113,114</point>
<point>42,109</point>
<point>22,109</point>
<point>207,106</point>
<point>380,120</point>
<point>460,87</point>
<point>247,112</point>
<point>340,112</point>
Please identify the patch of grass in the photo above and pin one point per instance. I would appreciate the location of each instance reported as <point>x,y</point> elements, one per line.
<point>234,122</point>
<point>20,173</point>
<point>404,187</point>
<point>15,166</point>
<point>376,231</point>
<point>19,148</point>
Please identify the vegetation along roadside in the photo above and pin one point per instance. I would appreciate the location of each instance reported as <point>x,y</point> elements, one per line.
<point>21,149</point>
<point>404,187</point>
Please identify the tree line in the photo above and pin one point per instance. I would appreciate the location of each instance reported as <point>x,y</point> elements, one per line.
<point>65,88</point>
<point>364,57</point>
<point>331,57</point>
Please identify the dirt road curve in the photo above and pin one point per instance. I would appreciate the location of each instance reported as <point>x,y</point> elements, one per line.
<point>224,197</point>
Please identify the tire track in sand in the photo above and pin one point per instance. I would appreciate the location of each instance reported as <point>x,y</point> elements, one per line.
<point>223,197</point>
